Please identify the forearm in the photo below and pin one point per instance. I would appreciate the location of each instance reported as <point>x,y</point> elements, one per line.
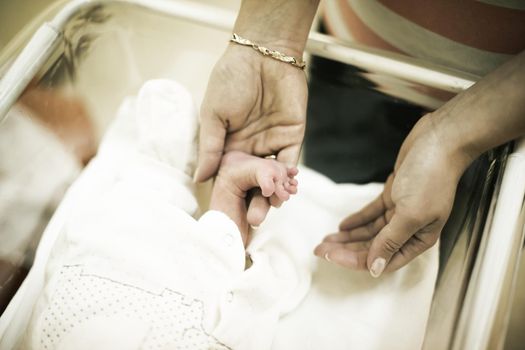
<point>486,115</point>
<point>279,24</point>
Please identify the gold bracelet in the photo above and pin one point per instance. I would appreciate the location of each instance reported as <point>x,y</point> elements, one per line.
<point>269,52</point>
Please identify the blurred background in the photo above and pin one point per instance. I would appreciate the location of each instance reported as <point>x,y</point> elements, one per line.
<point>14,14</point>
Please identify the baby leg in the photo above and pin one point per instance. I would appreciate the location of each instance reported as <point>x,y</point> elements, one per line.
<point>238,174</point>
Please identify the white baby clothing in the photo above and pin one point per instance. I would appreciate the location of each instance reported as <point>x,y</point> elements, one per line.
<point>137,282</point>
<point>133,269</point>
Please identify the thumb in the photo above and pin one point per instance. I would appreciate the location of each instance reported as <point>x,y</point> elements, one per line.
<point>389,241</point>
<point>257,209</point>
<point>211,145</point>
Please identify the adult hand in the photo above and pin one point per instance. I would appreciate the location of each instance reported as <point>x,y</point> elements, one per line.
<point>408,216</point>
<point>256,105</point>
<point>415,204</point>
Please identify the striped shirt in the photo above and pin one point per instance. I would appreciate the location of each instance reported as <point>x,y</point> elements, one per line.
<point>473,36</point>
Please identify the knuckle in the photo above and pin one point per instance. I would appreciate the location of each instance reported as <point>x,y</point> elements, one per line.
<point>391,246</point>
<point>422,242</point>
<point>418,246</point>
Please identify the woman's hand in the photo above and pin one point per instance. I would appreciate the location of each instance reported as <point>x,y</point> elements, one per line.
<point>409,215</point>
<point>253,104</point>
<point>256,105</point>
<point>407,218</point>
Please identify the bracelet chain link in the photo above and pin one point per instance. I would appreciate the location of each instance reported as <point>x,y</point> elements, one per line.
<point>269,52</point>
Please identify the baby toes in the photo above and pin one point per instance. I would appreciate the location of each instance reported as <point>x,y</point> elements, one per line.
<point>276,181</point>
<point>266,183</point>
<point>281,192</point>
<point>285,184</point>
<point>292,171</point>
<point>291,186</point>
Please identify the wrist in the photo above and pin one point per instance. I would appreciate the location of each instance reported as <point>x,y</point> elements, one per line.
<point>274,54</point>
<point>259,62</point>
<point>281,25</point>
<point>281,42</point>
<point>455,146</point>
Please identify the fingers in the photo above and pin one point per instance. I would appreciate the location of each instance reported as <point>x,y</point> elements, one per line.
<point>292,171</point>
<point>349,259</point>
<point>350,255</point>
<point>266,183</point>
<point>260,205</point>
<point>290,183</point>
<point>362,233</point>
<point>414,247</point>
<point>280,191</point>
<point>257,209</point>
<point>276,184</point>
<point>393,246</point>
<point>291,186</point>
<point>277,200</point>
<point>285,183</point>
<point>211,144</point>
<point>326,247</point>
<point>389,241</point>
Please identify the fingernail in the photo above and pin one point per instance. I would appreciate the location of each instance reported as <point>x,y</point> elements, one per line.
<point>254,227</point>
<point>377,267</point>
<point>326,257</point>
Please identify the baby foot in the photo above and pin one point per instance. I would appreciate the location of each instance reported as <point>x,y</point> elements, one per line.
<point>239,173</point>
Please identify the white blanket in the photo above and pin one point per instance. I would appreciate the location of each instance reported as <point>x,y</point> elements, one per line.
<point>138,266</point>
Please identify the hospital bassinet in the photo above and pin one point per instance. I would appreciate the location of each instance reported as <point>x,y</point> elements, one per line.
<point>101,51</point>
